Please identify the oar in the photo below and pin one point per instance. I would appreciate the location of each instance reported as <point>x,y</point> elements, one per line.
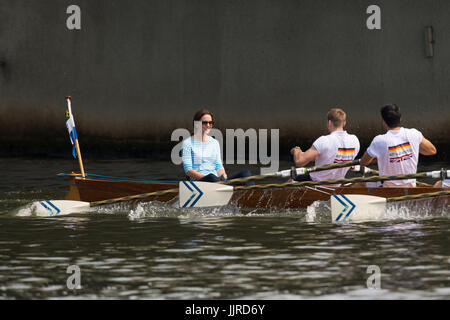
<point>358,208</point>
<point>52,208</point>
<point>364,170</point>
<point>212,195</point>
<point>298,171</point>
<point>192,198</point>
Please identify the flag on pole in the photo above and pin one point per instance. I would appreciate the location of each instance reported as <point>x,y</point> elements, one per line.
<point>70,124</point>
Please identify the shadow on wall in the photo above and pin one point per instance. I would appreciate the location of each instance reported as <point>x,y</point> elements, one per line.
<point>5,73</point>
<point>43,134</point>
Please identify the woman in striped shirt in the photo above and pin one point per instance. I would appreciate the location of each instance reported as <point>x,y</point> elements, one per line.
<point>201,153</point>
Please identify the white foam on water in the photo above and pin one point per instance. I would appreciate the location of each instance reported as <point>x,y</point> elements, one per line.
<point>171,209</point>
<point>311,212</point>
<point>115,208</point>
<point>318,211</point>
<point>416,209</point>
<point>151,210</point>
<point>24,211</point>
<point>28,210</point>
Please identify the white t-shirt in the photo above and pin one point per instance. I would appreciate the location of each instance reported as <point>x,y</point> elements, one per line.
<point>446,183</point>
<point>397,152</point>
<point>338,146</point>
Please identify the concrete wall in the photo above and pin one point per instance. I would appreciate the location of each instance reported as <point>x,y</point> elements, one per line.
<point>139,69</point>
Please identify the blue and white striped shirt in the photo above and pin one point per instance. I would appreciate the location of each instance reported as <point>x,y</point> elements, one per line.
<point>203,157</point>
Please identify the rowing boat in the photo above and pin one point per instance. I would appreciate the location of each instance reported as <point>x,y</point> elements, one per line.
<point>93,188</point>
<point>351,202</point>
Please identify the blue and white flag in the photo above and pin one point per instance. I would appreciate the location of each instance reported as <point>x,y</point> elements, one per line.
<point>70,124</point>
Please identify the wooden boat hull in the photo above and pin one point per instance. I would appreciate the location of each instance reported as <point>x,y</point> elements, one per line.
<point>90,190</point>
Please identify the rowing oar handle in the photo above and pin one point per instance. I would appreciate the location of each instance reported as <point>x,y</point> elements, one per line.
<point>299,171</point>
<point>432,174</point>
<point>364,170</point>
<point>333,166</point>
<point>251,178</point>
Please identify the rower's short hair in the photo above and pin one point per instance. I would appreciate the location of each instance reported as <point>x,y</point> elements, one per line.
<point>337,117</point>
<point>200,113</point>
<point>391,115</point>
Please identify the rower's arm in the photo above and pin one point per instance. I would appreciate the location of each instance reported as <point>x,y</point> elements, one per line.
<point>303,158</point>
<point>427,148</point>
<point>194,174</point>
<point>366,159</point>
<point>222,172</point>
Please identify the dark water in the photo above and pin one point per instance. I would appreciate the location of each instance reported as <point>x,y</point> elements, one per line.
<point>156,251</point>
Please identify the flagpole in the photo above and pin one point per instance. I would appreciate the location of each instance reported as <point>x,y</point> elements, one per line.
<point>77,148</point>
<point>77,145</point>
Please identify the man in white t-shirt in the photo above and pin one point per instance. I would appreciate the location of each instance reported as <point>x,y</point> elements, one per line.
<point>397,151</point>
<point>338,146</point>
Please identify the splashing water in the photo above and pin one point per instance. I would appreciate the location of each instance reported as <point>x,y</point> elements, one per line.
<point>159,209</point>
<point>24,211</point>
<point>417,209</point>
<point>318,211</point>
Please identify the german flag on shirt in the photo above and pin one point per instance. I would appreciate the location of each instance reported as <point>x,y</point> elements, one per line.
<point>402,146</point>
<point>346,150</point>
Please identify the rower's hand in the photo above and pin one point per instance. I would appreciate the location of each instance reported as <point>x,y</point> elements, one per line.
<point>224,177</point>
<point>295,150</point>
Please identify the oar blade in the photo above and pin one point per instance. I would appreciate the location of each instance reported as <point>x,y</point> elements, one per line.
<point>196,194</point>
<point>54,208</point>
<point>356,208</point>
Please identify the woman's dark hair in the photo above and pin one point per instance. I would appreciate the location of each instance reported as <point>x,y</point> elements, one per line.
<point>200,113</point>
<point>391,115</point>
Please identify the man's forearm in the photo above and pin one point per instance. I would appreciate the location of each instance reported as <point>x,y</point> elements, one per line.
<point>366,159</point>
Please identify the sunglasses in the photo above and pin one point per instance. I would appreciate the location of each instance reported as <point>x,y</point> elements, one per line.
<point>207,122</point>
